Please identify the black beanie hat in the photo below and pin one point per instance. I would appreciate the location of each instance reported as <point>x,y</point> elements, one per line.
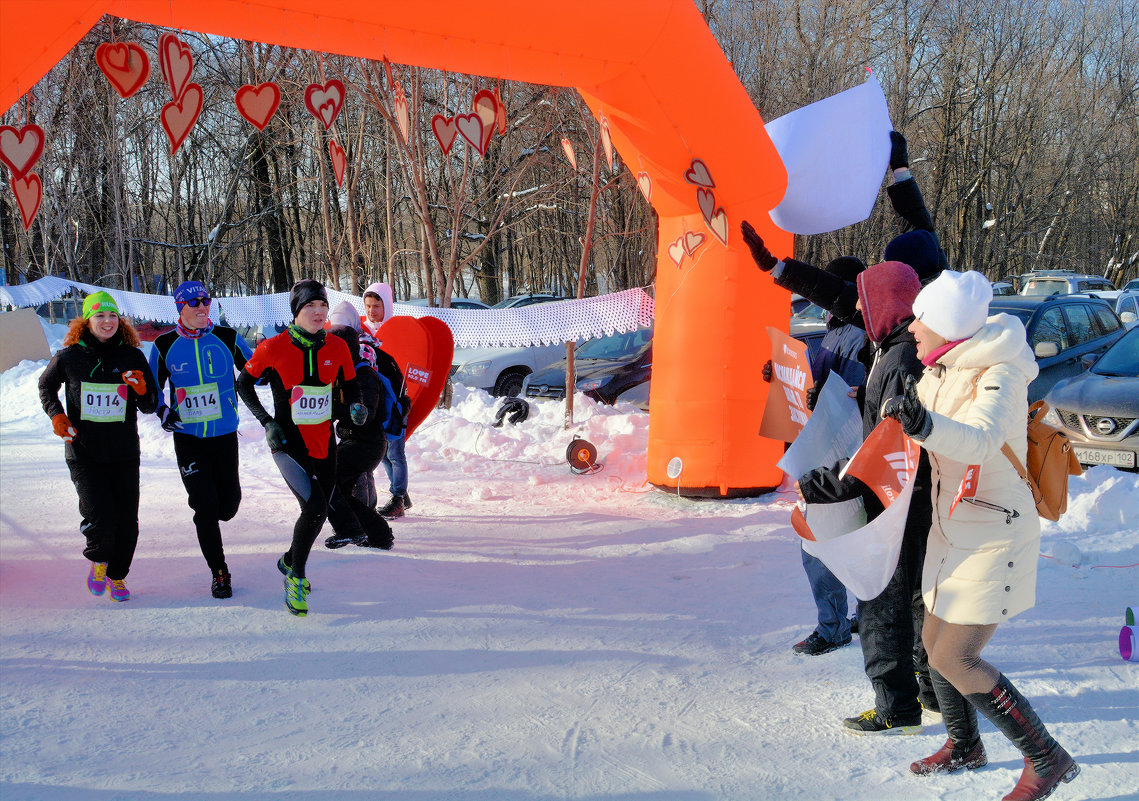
<point>846,267</point>
<point>918,249</point>
<point>305,291</point>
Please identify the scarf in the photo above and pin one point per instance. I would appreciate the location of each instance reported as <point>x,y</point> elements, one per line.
<point>192,333</point>
<point>303,339</point>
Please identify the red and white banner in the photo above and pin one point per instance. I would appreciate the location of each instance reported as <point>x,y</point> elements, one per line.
<point>786,411</point>
<point>968,488</point>
<point>865,559</point>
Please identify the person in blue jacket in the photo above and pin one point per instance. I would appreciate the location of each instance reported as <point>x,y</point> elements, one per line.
<point>199,360</point>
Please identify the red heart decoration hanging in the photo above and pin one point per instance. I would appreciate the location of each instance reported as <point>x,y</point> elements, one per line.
<point>692,241</point>
<point>29,193</point>
<point>258,103</point>
<point>567,147</point>
<point>179,116</point>
<point>500,117</point>
<point>698,174</point>
<point>676,251</point>
<point>20,149</point>
<point>706,200</point>
<point>177,63</point>
<point>471,129</point>
<point>325,101</point>
<point>718,225</point>
<point>401,111</point>
<point>336,153</point>
<point>125,64</point>
<point>485,105</point>
<point>606,141</point>
<point>445,131</point>
<point>645,184</point>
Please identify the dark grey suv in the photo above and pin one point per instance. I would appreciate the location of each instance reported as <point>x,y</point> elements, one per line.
<point>1061,330</point>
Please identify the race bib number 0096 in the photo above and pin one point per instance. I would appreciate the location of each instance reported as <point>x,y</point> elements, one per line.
<point>103,403</point>
<point>312,405</point>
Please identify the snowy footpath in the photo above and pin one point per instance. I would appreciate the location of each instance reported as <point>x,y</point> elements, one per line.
<point>534,635</point>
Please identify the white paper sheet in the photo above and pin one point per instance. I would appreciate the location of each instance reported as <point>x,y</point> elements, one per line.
<point>836,152</point>
<point>833,432</point>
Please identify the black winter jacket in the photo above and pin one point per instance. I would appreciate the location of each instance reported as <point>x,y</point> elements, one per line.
<point>92,372</point>
<point>891,361</point>
<point>839,297</point>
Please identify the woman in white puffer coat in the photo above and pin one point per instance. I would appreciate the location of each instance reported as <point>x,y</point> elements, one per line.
<point>980,564</point>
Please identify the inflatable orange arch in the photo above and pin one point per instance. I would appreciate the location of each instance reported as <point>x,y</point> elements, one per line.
<point>652,69</point>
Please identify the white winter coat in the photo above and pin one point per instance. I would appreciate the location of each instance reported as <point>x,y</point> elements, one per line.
<point>980,565</point>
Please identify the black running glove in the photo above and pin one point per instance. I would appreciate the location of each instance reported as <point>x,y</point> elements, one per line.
<point>899,151</point>
<point>275,435</point>
<point>908,410</point>
<point>763,258</point>
<point>359,414</point>
<point>171,420</point>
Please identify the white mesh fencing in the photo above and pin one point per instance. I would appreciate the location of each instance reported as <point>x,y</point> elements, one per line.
<point>537,324</point>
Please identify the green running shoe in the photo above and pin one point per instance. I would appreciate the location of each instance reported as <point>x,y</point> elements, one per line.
<point>295,595</point>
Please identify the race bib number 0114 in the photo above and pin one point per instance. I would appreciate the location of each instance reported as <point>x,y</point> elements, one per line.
<point>103,403</point>
<point>201,404</point>
<point>312,405</point>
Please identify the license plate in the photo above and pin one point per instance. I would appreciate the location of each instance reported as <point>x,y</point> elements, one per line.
<point>1102,456</point>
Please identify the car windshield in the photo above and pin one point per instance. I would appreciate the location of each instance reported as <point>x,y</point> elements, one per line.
<point>1024,315</point>
<point>614,347</point>
<point>1122,358</point>
<point>1046,286</point>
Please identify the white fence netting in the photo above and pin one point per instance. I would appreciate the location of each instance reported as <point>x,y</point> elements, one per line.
<point>537,324</point>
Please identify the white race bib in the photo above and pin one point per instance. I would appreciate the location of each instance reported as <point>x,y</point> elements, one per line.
<point>312,405</point>
<point>103,403</point>
<point>201,404</point>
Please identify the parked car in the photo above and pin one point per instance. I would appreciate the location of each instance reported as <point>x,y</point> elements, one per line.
<point>1099,410</point>
<point>1061,330</point>
<point>605,368</point>
<point>456,303</point>
<point>1001,288</point>
<point>500,371</point>
<point>517,301</point>
<point>1132,285</point>
<point>1127,307</point>
<point>1063,282</point>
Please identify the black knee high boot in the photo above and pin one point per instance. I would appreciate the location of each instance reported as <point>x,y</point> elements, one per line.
<point>963,749</point>
<point>1046,763</point>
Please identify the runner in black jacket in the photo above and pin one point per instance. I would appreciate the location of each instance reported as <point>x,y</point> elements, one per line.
<point>107,381</point>
<point>302,366</point>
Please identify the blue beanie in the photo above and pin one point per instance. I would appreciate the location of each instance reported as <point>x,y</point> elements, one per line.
<point>918,249</point>
<point>187,291</point>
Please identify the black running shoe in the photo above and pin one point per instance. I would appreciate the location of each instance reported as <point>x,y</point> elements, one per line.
<point>815,645</point>
<point>220,587</point>
<point>340,540</point>
<point>870,722</point>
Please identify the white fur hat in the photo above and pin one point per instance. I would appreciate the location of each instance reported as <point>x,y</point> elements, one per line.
<point>955,305</point>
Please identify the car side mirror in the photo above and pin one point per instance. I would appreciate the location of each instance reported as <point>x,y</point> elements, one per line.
<point>1086,362</point>
<point>1045,350</point>
<point>1128,318</point>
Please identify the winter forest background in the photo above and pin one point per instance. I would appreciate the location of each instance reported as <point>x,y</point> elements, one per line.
<point>1022,118</point>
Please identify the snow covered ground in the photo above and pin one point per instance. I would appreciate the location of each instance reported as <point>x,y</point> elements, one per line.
<point>534,635</point>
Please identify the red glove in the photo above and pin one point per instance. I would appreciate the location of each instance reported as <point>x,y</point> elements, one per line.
<point>62,427</point>
<point>136,380</point>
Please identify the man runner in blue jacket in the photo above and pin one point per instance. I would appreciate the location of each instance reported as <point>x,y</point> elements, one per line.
<point>199,360</point>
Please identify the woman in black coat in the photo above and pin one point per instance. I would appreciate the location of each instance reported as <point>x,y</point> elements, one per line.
<point>107,381</point>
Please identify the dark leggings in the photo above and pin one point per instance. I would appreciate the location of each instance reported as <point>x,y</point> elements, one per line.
<point>209,472</point>
<point>311,481</point>
<point>108,502</point>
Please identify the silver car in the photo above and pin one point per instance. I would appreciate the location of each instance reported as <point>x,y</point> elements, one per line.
<point>1099,409</point>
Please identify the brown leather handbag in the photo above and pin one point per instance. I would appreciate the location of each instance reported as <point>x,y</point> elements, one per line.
<point>1050,461</point>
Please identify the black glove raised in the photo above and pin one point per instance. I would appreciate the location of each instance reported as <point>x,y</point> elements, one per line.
<point>812,397</point>
<point>763,258</point>
<point>171,421</point>
<point>908,410</point>
<point>899,152</point>
<point>274,435</point>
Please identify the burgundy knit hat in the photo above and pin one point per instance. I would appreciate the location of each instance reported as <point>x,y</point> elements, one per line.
<point>887,291</point>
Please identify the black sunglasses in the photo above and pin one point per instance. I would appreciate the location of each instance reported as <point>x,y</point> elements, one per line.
<point>194,303</point>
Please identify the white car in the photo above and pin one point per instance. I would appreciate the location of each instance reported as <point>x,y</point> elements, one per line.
<point>1127,307</point>
<point>501,371</point>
